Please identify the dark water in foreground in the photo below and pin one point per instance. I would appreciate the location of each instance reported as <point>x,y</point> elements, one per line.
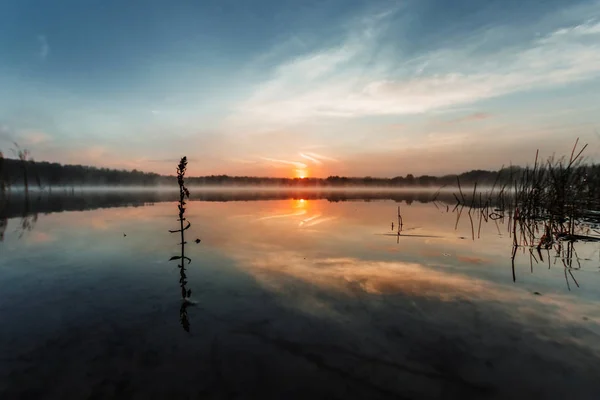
<point>295,299</point>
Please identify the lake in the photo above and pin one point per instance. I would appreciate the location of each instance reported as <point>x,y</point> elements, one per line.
<point>297,295</point>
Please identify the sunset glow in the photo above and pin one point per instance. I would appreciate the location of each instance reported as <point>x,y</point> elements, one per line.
<point>301,173</point>
<point>335,88</point>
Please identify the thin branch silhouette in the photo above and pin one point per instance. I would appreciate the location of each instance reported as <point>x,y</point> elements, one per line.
<point>184,194</point>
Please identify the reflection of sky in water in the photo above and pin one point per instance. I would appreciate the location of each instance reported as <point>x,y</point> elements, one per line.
<point>331,265</point>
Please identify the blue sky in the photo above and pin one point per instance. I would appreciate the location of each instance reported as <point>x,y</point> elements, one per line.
<point>288,88</point>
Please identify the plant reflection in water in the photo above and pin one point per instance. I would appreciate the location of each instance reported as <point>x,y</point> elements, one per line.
<point>185,292</point>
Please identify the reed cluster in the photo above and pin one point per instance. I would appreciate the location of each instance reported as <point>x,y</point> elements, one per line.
<point>547,206</point>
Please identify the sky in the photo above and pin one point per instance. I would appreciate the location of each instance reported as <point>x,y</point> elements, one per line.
<point>300,88</point>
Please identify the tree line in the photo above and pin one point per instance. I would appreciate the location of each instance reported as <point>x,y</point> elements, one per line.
<point>24,172</point>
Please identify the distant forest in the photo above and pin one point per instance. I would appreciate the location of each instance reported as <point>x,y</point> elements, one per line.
<point>20,172</point>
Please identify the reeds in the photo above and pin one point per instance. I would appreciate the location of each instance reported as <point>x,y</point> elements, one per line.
<point>547,205</point>
<point>558,192</point>
<point>185,293</point>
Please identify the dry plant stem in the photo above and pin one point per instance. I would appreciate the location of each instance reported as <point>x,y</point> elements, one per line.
<point>183,194</point>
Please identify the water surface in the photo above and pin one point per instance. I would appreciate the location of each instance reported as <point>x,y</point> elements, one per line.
<point>297,295</point>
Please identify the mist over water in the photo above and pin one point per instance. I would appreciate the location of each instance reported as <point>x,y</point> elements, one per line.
<point>68,189</point>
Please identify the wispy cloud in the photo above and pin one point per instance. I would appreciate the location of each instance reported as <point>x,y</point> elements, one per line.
<point>316,158</point>
<point>308,157</point>
<point>590,27</point>
<point>44,47</point>
<point>478,116</point>
<point>286,162</point>
<point>320,157</point>
<point>357,79</point>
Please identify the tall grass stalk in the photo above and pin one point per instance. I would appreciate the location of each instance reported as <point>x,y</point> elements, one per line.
<point>184,194</point>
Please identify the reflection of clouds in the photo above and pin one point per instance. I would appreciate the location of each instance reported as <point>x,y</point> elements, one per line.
<point>281,271</point>
<point>296,214</point>
<point>374,277</point>
<point>304,221</point>
<point>318,221</point>
<point>315,220</point>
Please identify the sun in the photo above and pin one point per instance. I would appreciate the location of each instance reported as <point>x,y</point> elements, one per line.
<point>301,173</point>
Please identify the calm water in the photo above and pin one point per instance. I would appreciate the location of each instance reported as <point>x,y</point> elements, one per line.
<point>296,298</point>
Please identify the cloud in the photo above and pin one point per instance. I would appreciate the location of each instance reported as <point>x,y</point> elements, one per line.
<point>6,133</point>
<point>439,153</point>
<point>478,116</point>
<point>294,163</point>
<point>23,137</point>
<point>590,27</point>
<point>308,157</point>
<point>163,160</point>
<point>44,47</point>
<point>35,137</point>
<point>320,157</point>
<point>316,158</point>
<point>242,161</point>
<point>360,78</point>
